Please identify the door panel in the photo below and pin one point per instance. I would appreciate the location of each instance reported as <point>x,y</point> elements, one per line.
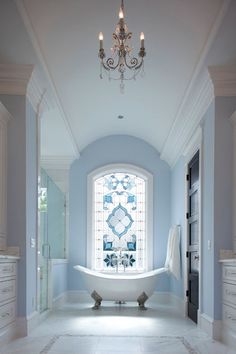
<point>193,237</point>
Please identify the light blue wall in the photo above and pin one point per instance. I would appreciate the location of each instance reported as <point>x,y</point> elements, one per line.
<point>117,149</point>
<point>178,217</point>
<point>21,198</point>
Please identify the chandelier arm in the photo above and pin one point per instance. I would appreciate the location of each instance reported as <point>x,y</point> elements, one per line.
<point>139,65</point>
<point>109,64</point>
<point>134,63</point>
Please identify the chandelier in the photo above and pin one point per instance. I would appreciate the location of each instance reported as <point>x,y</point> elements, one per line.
<point>122,63</point>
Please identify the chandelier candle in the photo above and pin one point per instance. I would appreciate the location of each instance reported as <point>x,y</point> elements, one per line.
<point>122,63</point>
<point>101,40</point>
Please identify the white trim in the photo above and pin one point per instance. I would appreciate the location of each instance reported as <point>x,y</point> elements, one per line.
<point>19,79</point>
<point>210,326</point>
<point>25,325</point>
<point>37,96</point>
<point>147,176</point>
<point>76,296</point>
<point>59,301</point>
<point>162,298</point>
<point>8,333</point>
<point>14,78</point>
<point>35,42</point>
<point>56,162</point>
<point>224,80</point>
<point>5,116</point>
<point>193,145</point>
<point>188,119</point>
<point>58,261</point>
<point>197,98</point>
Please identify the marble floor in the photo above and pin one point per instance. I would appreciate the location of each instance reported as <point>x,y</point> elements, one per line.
<point>77,329</point>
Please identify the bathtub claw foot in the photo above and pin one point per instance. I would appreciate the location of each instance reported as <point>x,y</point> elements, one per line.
<point>98,300</point>
<point>141,301</point>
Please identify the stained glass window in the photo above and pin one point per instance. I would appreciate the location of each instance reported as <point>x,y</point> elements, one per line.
<point>120,222</point>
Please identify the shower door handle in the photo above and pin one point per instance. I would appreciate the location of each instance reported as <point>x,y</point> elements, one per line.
<point>46,250</point>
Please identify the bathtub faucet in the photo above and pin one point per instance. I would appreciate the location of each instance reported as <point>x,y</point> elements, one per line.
<point>120,260</point>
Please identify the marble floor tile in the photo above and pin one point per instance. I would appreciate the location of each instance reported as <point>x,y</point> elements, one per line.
<point>77,329</point>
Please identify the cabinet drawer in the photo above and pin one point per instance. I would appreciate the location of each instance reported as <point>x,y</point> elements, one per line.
<point>7,314</point>
<point>7,290</point>
<point>229,316</point>
<point>7,269</point>
<point>229,273</point>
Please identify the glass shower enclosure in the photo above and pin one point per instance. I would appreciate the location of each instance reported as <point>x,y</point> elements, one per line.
<point>52,233</point>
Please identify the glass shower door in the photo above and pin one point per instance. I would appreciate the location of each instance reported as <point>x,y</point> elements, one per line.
<point>43,247</point>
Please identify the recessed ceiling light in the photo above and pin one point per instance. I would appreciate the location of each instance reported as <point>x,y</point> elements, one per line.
<point>120,117</point>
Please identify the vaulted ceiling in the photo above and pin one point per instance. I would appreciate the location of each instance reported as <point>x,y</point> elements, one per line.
<point>65,36</point>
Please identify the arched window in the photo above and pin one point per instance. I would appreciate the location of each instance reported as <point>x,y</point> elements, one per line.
<point>120,218</point>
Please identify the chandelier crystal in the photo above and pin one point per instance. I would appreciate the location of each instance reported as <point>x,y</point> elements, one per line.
<point>122,62</point>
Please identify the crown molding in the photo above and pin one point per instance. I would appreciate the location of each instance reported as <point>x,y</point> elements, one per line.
<point>19,79</point>
<point>188,119</point>
<point>224,80</point>
<point>36,44</point>
<point>38,96</point>
<point>57,162</point>
<point>57,168</point>
<point>198,97</point>
<point>193,145</point>
<point>5,116</point>
<point>14,78</point>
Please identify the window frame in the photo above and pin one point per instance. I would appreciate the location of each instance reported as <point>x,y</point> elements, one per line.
<point>123,168</point>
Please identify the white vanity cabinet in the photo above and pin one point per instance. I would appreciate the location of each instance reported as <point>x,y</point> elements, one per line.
<point>7,290</point>
<point>229,300</point>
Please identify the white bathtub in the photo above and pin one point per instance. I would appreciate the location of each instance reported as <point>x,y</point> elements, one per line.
<point>127,287</point>
<point>120,287</point>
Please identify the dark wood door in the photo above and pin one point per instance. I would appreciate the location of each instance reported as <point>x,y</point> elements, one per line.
<point>193,237</point>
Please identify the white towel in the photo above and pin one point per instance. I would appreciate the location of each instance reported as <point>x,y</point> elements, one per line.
<point>173,252</point>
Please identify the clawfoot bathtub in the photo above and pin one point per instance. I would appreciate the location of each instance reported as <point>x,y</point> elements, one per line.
<point>126,287</point>
<point>120,287</point>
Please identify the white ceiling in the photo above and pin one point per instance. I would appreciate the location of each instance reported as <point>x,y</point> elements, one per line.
<point>65,34</point>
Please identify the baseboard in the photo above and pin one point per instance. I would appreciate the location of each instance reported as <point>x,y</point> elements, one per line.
<point>162,298</point>
<point>167,298</point>
<point>212,327</point>
<point>8,333</point>
<point>25,325</point>
<point>60,300</point>
<point>78,296</point>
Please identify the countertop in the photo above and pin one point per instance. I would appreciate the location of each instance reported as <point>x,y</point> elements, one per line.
<point>228,260</point>
<point>6,256</point>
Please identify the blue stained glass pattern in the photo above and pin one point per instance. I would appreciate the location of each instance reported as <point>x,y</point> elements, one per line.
<point>119,221</point>
<point>131,246</point>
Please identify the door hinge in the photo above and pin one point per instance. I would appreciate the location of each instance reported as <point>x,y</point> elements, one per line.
<point>187,215</point>
<point>187,177</point>
<point>187,293</point>
<point>187,254</point>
